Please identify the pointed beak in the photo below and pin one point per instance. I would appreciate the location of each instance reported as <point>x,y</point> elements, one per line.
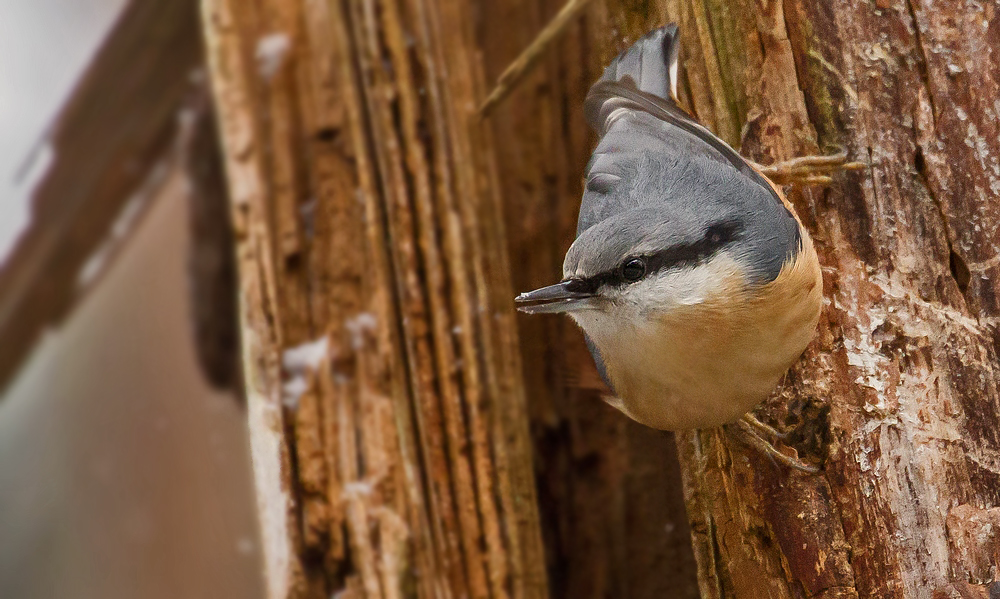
<point>561,297</point>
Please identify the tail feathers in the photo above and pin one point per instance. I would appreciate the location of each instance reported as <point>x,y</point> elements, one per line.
<point>650,64</point>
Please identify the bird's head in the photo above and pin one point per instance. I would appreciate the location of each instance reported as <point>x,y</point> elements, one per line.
<point>642,264</point>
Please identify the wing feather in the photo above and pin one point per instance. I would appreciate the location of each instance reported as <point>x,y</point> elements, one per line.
<point>644,78</point>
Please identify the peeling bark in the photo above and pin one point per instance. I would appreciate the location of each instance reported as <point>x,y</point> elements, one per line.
<point>387,414</point>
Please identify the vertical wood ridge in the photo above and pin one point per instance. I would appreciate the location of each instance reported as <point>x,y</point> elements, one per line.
<point>369,193</point>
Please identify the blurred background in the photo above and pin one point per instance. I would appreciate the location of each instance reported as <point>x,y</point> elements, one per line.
<point>124,469</point>
<point>44,47</point>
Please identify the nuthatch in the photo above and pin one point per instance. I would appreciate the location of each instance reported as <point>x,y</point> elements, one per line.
<point>691,276</point>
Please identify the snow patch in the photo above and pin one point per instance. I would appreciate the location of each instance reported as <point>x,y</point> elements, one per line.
<point>358,326</point>
<point>298,362</point>
<point>271,52</point>
<point>306,355</point>
<point>358,488</point>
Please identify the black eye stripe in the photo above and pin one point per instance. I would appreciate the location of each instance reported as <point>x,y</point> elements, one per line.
<point>716,237</point>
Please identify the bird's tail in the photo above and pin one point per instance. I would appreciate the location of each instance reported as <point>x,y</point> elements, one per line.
<point>649,66</point>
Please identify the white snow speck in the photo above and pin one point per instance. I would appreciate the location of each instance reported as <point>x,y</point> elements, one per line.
<point>358,326</point>
<point>359,488</point>
<point>94,265</point>
<point>298,362</point>
<point>292,390</point>
<point>271,52</point>
<point>307,355</point>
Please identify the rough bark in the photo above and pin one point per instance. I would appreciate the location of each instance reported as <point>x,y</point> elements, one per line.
<point>387,412</point>
<point>897,395</point>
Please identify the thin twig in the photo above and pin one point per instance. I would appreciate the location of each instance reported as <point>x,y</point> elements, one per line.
<point>781,179</point>
<point>523,63</point>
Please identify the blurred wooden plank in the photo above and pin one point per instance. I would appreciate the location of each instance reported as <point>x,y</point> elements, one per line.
<point>115,127</point>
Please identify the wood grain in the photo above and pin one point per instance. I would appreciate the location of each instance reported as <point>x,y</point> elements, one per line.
<point>366,204</point>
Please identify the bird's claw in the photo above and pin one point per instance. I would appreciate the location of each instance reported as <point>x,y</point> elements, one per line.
<point>809,170</point>
<point>767,429</point>
<point>751,426</point>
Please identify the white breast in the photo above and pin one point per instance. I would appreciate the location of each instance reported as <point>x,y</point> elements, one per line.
<point>712,352</point>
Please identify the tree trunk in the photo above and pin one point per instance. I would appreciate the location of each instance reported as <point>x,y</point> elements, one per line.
<point>387,413</point>
<point>366,196</point>
<point>898,393</point>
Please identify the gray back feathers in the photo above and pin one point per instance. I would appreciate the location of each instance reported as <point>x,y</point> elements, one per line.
<point>658,179</point>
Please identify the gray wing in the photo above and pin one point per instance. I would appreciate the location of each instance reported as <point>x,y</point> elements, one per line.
<point>651,151</point>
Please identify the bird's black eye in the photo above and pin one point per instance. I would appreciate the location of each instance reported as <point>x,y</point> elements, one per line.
<point>633,270</point>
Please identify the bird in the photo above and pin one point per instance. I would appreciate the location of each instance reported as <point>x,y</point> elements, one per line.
<point>694,281</point>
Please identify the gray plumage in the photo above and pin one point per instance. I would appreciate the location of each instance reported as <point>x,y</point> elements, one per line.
<point>691,277</point>
<point>655,170</point>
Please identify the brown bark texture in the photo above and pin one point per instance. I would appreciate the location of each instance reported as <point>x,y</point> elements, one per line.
<point>387,413</point>
<point>897,395</point>
<point>373,209</point>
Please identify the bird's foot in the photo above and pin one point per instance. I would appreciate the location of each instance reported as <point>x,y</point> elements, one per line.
<point>763,428</point>
<point>809,170</point>
<point>753,429</point>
